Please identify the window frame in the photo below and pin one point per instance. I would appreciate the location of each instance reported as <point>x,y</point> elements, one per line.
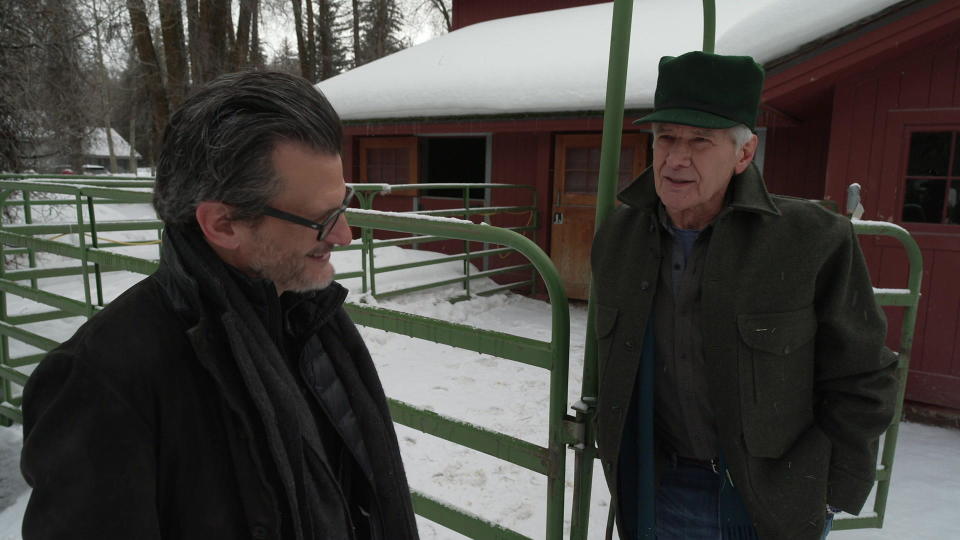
<point>409,143</point>
<point>903,175</point>
<point>639,140</point>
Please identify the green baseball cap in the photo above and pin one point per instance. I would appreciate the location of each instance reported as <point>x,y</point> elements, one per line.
<point>707,90</point>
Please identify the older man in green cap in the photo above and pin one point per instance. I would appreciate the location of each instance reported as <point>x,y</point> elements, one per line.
<point>743,379</point>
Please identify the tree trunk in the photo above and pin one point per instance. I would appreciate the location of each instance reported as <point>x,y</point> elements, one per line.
<point>133,133</point>
<point>104,89</point>
<point>301,46</point>
<point>228,27</point>
<point>242,48</point>
<point>194,41</point>
<point>441,7</point>
<point>357,60</point>
<point>151,67</point>
<point>217,25</point>
<point>255,58</point>
<point>171,28</point>
<point>326,42</point>
<point>311,42</point>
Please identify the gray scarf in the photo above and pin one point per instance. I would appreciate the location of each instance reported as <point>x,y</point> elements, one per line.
<point>308,486</point>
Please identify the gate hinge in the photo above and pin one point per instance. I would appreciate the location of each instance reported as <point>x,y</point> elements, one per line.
<point>576,427</point>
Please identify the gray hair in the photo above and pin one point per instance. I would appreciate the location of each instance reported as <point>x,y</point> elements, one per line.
<point>218,145</point>
<point>739,134</point>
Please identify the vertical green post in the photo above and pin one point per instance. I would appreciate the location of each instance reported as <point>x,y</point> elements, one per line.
<point>4,340</point>
<point>81,235</point>
<point>907,327</point>
<point>466,243</point>
<point>366,241</point>
<point>28,219</point>
<point>609,165</point>
<point>709,25</point>
<point>609,161</point>
<point>96,243</point>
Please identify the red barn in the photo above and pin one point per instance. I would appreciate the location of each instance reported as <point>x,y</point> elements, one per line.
<point>857,91</point>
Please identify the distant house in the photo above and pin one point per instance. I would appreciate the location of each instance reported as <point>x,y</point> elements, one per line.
<point>861,91</point>
<point>96,151</point>
<point>41,154</point>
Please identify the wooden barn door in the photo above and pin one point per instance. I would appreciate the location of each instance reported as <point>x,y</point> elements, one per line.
<point>920,190</point>
<point>576,169</point>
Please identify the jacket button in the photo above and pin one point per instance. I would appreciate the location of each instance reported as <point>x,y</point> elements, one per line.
<point>644,285</point>
<point>629,344</point>
<point>259,532</point>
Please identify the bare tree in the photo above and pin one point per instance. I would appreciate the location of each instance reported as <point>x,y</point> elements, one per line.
<point>303,45</point>
<point>248,9</point>
<point>147,54</point>
<point>174,50</point>
<point>103,83</point>
<point>445,10</point>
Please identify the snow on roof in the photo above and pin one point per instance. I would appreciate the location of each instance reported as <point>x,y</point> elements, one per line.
<point>556,61</point>
<point>96,144</point>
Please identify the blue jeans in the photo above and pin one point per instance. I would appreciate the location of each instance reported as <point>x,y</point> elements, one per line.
<point>687,505</point>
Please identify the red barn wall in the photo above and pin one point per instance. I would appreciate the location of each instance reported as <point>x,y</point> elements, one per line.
<point>796,155</point>
<point>867,146</point>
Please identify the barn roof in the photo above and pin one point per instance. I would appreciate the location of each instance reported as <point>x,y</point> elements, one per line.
<point>556,61</point>
<point>96,144</point>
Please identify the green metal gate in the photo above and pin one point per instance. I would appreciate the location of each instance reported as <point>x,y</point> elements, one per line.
<point>96,261</point>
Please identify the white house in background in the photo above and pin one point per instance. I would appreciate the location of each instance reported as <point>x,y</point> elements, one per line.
<point>39,152</point>
<point>96,151</point>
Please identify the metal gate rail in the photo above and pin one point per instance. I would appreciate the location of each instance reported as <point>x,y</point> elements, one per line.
<point>908,298</point>
<point>552,355</point>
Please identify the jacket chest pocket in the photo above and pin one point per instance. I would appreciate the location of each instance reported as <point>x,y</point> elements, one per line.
<point>778,353</point>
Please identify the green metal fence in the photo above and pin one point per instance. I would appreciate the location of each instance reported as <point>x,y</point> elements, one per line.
<point>366,193</point>
<point>907,298</point>
<point>552,354</point>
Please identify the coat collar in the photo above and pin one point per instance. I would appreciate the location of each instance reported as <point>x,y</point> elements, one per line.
<point>748,192</point>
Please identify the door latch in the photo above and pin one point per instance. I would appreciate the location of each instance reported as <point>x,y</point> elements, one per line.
<point>558,218</point>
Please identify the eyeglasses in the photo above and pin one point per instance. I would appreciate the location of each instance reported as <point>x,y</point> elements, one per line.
<point>322,227</point>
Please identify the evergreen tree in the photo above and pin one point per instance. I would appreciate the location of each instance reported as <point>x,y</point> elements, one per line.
<point>381,23</point>
<point>332,26</point>
<point>285,59</point>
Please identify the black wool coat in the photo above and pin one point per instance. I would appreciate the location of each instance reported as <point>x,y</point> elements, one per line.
<point>139,428</point>
<point>800,382</point>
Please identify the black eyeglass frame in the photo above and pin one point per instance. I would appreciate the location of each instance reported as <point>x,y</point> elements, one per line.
<point>323,227</point>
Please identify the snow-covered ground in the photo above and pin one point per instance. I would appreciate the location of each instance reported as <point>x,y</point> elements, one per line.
<point>498,394</point>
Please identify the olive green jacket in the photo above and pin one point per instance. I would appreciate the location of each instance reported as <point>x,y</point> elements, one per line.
<point>801,384</point>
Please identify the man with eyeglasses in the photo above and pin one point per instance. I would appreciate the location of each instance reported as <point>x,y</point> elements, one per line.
<point>228,395</point>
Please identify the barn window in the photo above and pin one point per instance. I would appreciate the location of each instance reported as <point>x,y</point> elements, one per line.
<point>932,183</point>
<point>578,162</point>
<point>388,160</point>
